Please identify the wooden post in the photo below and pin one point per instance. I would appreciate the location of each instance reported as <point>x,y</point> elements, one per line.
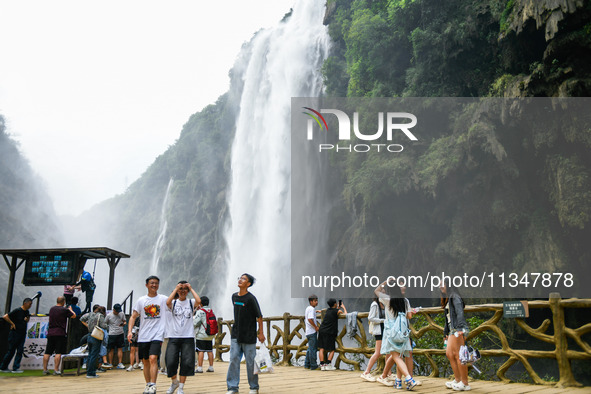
<point>564,368</point>
<point>285,339</point>
<point>13,266</point>
<point>113,261</point>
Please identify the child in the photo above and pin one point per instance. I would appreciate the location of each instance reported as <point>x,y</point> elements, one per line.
<point>203,342</point>
<point>311,333</point>
<point>327,333</point>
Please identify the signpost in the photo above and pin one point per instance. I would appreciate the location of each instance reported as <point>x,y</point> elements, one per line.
<point>515,309</point>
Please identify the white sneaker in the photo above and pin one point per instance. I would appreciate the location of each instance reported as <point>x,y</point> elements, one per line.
<point>385,381</point>
<point>173,386</point>
<point>180,391</point>
<point>120,366</point>
<point>329,367</point>
<point>210,369</point>
<point>450,384</point>
<point>141,365</point>
<point>130,368</point>
<point>323,367</point>
<point>251,391</point>
<point>152,389</point>
<point>460,386</point>
<point>84,366</point>
<point>199,370</point>
<point>369,377</point>
<point>136,366</point>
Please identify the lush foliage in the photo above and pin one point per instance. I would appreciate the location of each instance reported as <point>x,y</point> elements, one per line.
<point>480,193</point>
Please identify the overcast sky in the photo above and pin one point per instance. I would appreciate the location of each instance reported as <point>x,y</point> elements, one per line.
<point>94,90</point>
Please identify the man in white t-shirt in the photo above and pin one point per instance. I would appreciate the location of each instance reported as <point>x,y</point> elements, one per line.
<point>150,310</point>
<point>181,335</point>
<point>311,333</point>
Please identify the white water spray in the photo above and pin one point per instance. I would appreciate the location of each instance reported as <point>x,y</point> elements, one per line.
<point>285,62</point>
<point>162,235</point>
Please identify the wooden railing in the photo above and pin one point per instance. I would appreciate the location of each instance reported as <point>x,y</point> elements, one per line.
<point>281,331</point>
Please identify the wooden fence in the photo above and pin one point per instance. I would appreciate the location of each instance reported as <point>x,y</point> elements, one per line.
<point>281,332</point>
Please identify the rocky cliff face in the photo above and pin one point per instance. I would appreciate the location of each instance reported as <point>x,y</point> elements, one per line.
<point>482,192</point>
<point>547,14</point>
<point>27,218</point>
<point>561,69</point>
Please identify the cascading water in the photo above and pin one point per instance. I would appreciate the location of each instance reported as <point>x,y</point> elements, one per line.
<point>162,235</point>
<point>284,62</point>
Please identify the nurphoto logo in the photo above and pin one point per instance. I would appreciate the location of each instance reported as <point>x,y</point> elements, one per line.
<point>395,122</point>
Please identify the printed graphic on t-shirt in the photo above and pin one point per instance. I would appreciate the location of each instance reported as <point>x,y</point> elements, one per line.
<point>182,314</point>
<point>152,311</point>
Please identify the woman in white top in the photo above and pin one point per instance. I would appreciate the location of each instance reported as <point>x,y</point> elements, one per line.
<point>376,318</point>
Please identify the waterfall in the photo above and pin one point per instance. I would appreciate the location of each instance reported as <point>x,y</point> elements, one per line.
<point>162,234</point>
<point>284,62</point>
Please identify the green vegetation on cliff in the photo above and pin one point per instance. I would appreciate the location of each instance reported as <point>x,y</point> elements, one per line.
<point>479,193</point>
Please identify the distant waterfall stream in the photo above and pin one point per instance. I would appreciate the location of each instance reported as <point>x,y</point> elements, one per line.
<point>284,62</point>
<point>162,235</point>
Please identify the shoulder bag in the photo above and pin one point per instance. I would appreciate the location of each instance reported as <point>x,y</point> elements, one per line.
<point>97,332</point>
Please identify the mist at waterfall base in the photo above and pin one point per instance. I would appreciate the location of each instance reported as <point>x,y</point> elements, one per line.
<point>285,61</point>
<point>277,64</point>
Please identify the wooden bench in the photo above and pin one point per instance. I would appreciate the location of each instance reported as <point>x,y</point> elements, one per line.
<point>69,357</point>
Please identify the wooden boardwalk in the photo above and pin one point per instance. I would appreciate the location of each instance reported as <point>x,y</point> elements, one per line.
<point>284,380</point>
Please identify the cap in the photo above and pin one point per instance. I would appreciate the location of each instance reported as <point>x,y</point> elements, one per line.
<point>117,307</point>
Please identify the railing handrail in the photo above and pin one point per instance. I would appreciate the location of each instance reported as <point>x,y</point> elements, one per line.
<point>284,332</point>
<point>124,303</point>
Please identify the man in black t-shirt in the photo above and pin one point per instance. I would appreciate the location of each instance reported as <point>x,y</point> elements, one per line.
<point>18,320</point>
<point>244,335</point>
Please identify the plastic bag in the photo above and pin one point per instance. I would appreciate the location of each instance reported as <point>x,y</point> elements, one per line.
<point>80,350</point>
<point>262,360</point>
<point>468,355</point>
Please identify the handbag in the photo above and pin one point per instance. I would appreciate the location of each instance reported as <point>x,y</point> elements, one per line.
<point>97,332</point>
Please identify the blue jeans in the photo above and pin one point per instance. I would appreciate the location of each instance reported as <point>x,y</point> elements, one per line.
<point>16,344</point>
<point>94,347</point>
<point>312,350</point>
<point>236,351</point>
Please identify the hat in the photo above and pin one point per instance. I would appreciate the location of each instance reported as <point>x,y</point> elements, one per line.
<point>117,307</point>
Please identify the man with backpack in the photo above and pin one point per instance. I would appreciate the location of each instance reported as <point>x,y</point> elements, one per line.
<point>206,326</point>
<point>181,336</point>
